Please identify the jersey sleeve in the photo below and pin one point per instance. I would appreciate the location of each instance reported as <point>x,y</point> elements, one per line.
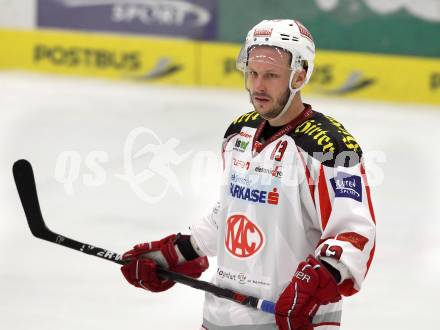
<point>346,220</point>
<point>205,231</point>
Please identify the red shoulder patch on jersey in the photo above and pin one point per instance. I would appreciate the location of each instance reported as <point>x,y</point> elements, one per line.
<point>357,240</point>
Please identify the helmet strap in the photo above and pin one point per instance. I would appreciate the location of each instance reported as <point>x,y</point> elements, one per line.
<point>293,92</point>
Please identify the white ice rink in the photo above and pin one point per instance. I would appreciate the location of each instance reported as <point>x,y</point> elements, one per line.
<point>45,287</point>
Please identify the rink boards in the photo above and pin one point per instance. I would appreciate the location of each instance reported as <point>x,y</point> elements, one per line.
<point>189,62</point>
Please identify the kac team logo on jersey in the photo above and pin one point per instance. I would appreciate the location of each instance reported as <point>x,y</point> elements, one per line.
<point>254,195</point>
<point>347,185</point>
<point>243,238</point>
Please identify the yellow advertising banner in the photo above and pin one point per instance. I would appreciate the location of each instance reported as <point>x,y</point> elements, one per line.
<point>377,77</point>
<point>343,74</point>
<point>186,62</point>
<point>98,55</point>
<point>217,65</point>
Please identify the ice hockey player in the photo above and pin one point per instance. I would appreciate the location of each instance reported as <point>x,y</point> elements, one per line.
<point>294,222</point>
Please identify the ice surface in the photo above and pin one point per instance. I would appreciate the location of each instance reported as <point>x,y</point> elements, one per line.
<point>43,286</point>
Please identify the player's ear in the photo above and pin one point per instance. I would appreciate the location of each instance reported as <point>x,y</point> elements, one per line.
<point>299,78</point>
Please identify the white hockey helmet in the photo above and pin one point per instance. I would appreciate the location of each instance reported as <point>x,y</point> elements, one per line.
<point>289,35</point>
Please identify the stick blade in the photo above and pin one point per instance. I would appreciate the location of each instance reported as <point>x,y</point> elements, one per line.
<point>27,190</point>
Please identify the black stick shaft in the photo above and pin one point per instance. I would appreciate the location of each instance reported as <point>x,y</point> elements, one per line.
<point>25,182</point>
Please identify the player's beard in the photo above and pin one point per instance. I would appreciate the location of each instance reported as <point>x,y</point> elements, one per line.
<point>276,109</point>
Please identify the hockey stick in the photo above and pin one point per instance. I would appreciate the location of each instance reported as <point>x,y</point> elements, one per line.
<point>25,182</point>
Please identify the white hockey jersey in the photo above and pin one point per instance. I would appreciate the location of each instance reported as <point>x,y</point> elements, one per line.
<point>302,191</point>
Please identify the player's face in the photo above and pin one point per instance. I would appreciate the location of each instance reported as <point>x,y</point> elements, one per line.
<point>267,80</point>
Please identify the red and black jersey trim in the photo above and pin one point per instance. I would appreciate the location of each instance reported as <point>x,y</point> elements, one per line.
<point>320,136</point>
<point>326,140</point>
<point>250,119</point>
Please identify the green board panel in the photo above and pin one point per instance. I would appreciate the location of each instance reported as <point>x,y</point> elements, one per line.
<point>351,25</point>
